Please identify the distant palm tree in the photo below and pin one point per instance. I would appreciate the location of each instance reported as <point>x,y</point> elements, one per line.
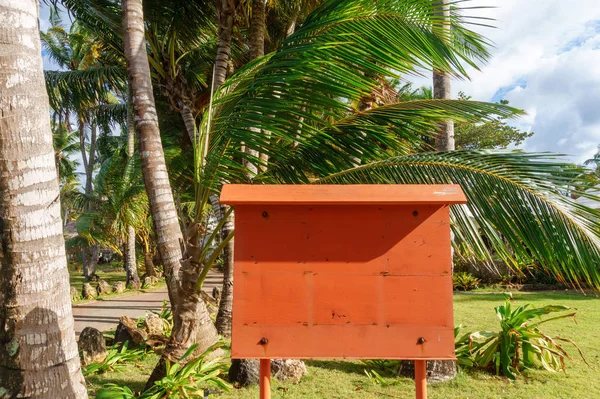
<point>66,145</point>
<point>84,87</point>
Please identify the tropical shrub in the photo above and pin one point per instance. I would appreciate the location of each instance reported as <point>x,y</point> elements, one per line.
<point>117,356</point>
<point>181,381</point>
<point>463,281</point>
<point>519,345</point>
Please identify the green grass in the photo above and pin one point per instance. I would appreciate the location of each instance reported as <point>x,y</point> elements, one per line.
<point>337,379</point>
<point>111,272</point>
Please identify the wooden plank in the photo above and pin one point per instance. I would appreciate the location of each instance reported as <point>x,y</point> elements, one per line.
<point>236,194</point>
<point>316,299</point>
<point>342,341</point>
<point>388,240</point>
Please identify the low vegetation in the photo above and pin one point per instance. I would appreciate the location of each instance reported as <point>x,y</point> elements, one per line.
<point>520,345</point>
<point>337,379</point>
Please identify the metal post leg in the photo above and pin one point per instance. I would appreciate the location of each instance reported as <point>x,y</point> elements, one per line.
<point>265,378</point>
<point>421,378</point>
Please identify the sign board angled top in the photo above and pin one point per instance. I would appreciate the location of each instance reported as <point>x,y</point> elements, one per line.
<point>343,271</point>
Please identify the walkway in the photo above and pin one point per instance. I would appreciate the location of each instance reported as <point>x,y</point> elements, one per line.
<point>104,314</point>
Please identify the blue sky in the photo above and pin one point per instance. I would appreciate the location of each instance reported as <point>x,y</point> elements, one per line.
<point>546,60</point>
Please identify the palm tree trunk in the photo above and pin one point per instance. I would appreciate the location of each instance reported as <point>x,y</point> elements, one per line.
<point>190,317</point>
<point>257,29</point>
<point>189,121</point>
<point>154,168</point>
<point>226,11</point>
<point>38,356</point>
<point>442,87</point>
<point>225,313</point>
<point>226,19</point>
<point>133,279</point>
<point>439,370</point>
<point>90,254</point>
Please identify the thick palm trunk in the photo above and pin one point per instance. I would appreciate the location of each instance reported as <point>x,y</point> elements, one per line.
<point>38,351</point>
<point>154,167</point>
<point>190,317</point>
<point>440,370</point>
<point>226,10</point>
<point>133,280</point>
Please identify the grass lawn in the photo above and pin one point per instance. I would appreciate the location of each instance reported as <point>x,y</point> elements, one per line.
<point>111,272</point>
<point>338,379</point>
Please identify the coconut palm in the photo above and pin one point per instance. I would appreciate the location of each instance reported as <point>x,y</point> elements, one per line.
<point>66,145</point>
<point>34,300</point>
<point>83,87</point>
<point>516,198</point>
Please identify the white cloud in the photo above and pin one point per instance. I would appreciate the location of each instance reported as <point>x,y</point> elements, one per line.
<point>545,60</point>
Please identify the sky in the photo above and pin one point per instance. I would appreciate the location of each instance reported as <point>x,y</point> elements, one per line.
<point>545,60</point>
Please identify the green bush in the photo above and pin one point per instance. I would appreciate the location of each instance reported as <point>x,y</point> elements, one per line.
<point>188,380</point>
<point>519,345</point>
<point>463,281</point>
<point>117,355</point>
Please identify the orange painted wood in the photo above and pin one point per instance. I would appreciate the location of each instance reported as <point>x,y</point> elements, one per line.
<point>339,275</point>
<point>421,379</point>
<point>265,379</point>
<point>349,239</point>
<point>342,341</point>
<point>235,194</point>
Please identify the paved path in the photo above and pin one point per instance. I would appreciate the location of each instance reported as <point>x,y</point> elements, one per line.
<point>104,314</point>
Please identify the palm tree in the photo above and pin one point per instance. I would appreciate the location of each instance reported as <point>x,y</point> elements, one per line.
<point>34,301</point>
<point>191,321</point>
<point>83,88</point>
<point>315,135</point>
<point>66,145</point>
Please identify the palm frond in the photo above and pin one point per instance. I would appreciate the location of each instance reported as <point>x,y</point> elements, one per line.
<point>343,51</point>
<point>516,200</point>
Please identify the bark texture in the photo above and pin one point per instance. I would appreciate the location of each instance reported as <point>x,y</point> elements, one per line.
<point>133,279</point>
<point>38,352</point>
<point>191,322</point>
<point>225,313</point>
<point>257,29</point>
<point>189,121</point>
<point>442,87</point>
<point>226,11</point>
<point>154,168</point>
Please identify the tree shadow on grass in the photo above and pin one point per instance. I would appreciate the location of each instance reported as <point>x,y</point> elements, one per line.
<point>348,367</point>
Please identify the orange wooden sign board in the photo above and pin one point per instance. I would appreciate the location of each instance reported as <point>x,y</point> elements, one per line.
<point>343,271</point>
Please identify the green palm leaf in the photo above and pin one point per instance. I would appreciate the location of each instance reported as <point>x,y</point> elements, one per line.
<point>339,55</point>
<point>517,200</point>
